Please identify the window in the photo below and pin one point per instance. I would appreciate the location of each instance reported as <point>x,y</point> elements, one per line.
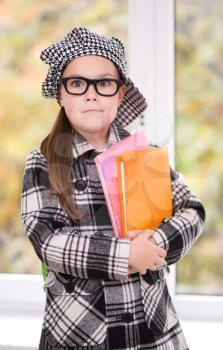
<point>151,42</point>
<point>26,28</point>
<point>199,142</point>
<point>152,32</point>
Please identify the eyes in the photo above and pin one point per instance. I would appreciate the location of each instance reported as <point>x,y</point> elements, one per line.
<point>76,83</point>
<point>104,87</point>
<point>104,83</point>
<point>79,83</point>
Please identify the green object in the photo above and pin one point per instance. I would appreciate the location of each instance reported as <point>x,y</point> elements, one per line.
<point>44,269</point>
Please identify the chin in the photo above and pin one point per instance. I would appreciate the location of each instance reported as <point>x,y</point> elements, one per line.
<point>98,125</point>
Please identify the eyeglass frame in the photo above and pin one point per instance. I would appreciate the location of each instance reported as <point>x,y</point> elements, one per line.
<point>94,82</point>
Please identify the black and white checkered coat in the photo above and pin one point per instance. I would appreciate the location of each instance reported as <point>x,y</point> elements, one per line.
<point>91,302</point>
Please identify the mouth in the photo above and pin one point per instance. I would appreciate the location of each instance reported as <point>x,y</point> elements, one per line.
<point>92,110</point>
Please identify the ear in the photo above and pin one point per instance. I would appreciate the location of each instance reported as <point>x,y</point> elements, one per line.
<point>122,92</point>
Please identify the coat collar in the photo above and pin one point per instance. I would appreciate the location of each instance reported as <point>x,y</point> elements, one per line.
<point>81,145</point>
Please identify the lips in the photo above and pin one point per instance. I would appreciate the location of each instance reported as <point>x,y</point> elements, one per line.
<point>92,110</point>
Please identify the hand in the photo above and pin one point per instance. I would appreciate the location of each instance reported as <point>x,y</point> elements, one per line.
<point>133,234</point>
<point>144,254</point>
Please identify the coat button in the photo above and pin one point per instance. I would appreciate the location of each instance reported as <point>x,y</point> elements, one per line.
<point>127,317</point>
<point>80,185</point>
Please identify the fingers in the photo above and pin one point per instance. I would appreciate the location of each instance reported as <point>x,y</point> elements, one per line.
<point>151,239</point>
<point>154,267</point>
<point>144,252</point>
<point>150,233</point>
<point>162,253</point>
<point>158,264</point>
<point>133,234</point>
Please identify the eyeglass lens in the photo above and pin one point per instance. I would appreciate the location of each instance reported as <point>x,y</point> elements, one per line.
<point>104,86</point>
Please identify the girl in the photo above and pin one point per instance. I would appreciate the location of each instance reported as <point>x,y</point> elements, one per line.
<point>92,299</point>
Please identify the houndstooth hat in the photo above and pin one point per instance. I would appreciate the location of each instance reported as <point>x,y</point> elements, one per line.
<point>81,42</point>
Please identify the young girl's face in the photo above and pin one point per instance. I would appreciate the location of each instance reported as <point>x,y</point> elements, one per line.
<point>91,113</point>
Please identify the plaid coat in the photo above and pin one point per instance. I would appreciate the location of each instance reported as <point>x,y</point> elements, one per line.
<point>91,302</point>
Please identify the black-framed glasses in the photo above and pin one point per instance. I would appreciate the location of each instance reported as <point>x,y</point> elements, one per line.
<point>79,85</point>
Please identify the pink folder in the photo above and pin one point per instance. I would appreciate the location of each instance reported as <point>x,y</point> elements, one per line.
<point>108,174</point>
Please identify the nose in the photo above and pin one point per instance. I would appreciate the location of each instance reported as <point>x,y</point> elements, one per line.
<point>91,93</point>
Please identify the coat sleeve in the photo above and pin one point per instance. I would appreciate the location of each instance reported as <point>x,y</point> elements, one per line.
<point>59,245</point>
<point>178,233</point>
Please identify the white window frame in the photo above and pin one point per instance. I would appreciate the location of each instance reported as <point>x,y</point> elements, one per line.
<point>151,59</point>
<point>151,67</point>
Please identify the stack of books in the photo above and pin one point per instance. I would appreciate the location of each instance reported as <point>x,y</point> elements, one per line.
<point>136,182</point>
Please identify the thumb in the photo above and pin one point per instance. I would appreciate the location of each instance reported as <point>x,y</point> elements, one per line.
<point>132,234</point>
<point>149,233</point>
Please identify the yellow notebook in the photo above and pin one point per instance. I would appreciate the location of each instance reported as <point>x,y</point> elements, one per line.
<point>144,188</point>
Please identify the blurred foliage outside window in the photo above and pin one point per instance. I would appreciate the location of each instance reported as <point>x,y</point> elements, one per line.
<point>199,135</point>
<point>26,117</point>
<point>26,27</point>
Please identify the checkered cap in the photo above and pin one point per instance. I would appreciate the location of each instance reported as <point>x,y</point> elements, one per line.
<point>81,42</point>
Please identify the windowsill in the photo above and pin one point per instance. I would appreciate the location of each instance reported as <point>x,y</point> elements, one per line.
<point>23,333</point>
<point>203,335</point>
<point>21,311</point>
<point>20,333</point>
<point>22,305</point>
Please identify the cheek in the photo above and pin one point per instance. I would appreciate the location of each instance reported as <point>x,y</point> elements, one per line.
<point>69,102</point>
<point>112,110</point>
<point>112,105</point>
<point>70,105</point>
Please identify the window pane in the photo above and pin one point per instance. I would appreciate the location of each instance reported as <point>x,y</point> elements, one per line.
<point>199,130</point>
<point>25,116</point>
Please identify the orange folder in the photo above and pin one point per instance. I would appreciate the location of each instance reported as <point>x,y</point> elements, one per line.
<point>144,188</point>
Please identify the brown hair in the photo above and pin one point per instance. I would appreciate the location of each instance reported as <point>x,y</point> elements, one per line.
<point>57,149</point>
